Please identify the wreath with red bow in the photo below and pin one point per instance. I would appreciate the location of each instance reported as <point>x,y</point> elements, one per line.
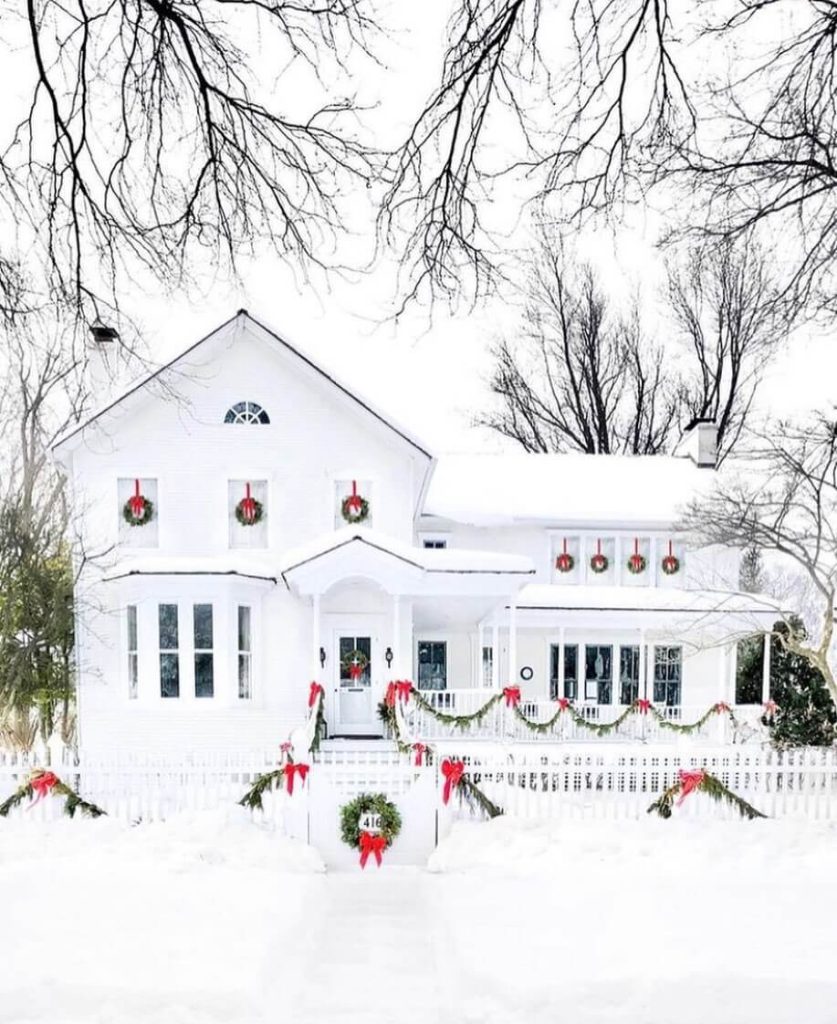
<point>249,511</point>
<point>671,563</point>
<point>355,663</point>
<point>370,842</point>
<point>599,562</point>
<point>354,507</point>
<point>565,561</point>
<point>636,563</point>
<point>137,510</point>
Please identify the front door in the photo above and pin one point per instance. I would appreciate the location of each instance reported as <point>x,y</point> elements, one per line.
<point>356,685</point>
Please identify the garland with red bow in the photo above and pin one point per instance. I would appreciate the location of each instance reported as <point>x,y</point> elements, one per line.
<point>316,708</point>
<point>42,783</point>
<point>456,779</point>
<point>138,510</point>
<point>701,781</point>
<point>354,508</point>
<point>461,721</point>
<point>280,778</point>
<point>249,511</point>
<point>369,843</point>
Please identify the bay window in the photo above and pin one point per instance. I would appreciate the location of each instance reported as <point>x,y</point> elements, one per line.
<point>169,650</point>
<point>245,653</point>
<point>132,652</point>
<point>204,659</point>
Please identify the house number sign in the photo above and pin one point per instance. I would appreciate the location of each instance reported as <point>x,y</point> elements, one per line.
<point>370,822</point>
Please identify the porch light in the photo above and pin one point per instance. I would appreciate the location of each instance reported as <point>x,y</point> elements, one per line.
<point>388,656</point>
<point>322,657</point>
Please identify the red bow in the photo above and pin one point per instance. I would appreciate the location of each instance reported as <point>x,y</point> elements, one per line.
<point>389,698</point>
<point>136,501</point>
<point>313,694</point>
<point>643,706</point>
<point>420,749</point>
<point>721,707</point>
<point>41,784</point>
<point>355,670</point>
<point>291,770</point>
<point>453,772</point>
<point>404,688</point>
<point>689,782</point>
<point>248,504</point>
<point>563,703</point>
<point>512,695</point>
<point>374,844</point>
<point>354,503</point>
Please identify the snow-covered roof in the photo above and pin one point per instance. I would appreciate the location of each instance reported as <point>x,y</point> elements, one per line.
<point>568,489</point>
<point>445,560</point>
<point>162,565</point>
<point>537,596</point>
<point>243,316</point>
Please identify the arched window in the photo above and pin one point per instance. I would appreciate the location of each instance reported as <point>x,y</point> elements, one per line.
<point>246,412</point>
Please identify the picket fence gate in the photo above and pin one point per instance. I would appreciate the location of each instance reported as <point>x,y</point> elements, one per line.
<point>526,781</point>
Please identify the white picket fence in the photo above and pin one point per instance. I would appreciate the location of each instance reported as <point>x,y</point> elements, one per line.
<point>527,781</point>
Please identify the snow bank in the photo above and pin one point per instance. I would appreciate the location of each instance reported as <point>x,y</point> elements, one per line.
<point>159,923</point>
<point>642,922</point>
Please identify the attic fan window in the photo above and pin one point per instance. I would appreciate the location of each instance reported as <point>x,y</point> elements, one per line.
<point>246,412</point>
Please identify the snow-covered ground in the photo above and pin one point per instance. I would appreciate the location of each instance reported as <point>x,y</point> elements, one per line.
<point>213,919</point>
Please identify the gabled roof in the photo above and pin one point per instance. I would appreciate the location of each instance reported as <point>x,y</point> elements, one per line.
<point>276,338</point>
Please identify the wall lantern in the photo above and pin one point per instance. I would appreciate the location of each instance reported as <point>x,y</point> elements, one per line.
<point>322,657</point>
<point>388,655</point>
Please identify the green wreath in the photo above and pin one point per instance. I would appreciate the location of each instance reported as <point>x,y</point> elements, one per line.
<point>353,657</point>
<point>258,513</point>
<point>369,803</point>
<point>636,564</point>
<point>138,520</point>
<point>348,503</point>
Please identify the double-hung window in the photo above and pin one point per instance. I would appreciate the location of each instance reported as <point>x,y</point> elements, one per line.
<point>570,671</point>
<point>245,653</point>
<point>668,673</point>
<point>629,680</point>
<point>169,650</point>
<point>203,650</point>
<point>133,652</point>
<point>432,665</point>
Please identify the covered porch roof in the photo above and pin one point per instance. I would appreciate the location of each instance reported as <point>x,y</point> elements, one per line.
<point>400,567</point>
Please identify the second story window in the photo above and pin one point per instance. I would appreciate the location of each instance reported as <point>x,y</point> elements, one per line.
<point>138,509</point>
<point>246,412</point>
<point>247,513</point>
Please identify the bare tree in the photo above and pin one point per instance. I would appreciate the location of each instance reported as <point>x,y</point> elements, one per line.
<point>151,129</point>
<point>784,501</point>
<point>588,104</point>
<point>581,377</point>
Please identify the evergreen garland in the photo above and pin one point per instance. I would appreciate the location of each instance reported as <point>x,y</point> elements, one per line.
<point>319,724</point>
<point>709,784</point>
<point>72,801</point>
<point>470,792</point>
<point>460,721</point>
<point>264,784</point>
<point>690,727</point>
<point>369,803</point>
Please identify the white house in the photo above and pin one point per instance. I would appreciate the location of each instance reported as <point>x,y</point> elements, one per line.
<point>199,630</point>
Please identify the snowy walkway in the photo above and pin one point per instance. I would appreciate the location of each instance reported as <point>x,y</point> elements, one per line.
<point>368,955</point>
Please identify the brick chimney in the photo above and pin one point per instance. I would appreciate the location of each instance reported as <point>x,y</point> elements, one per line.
<point>102,361</point>
<point>700,443</point>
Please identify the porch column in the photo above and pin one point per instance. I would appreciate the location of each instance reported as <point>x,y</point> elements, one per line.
<point>395,672</point>
<point>495,655</point>
<point>765,671</point>
<point>316,639</point>
<point>512,680</point>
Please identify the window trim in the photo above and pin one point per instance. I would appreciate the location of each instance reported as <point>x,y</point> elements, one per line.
<point>132,651</point>
<point>444,645</point>
<point>246,653</point>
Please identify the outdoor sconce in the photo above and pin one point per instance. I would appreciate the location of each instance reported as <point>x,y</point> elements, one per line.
<point>388,655</point>
<point>322,657</point>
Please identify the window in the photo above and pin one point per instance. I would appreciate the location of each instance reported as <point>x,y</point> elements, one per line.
<point>133,657</point>
<point>668,670</point>
<point>432,665</point>
<point>204,658</point>
<point>246,412</point>
<point>570,671</point>
<point>245,653</point>
<point>252,535</point>
<point>487,666</point>
<point>169,651</point>
<point>598,673</point>
<point>628,674</point>
<point>145,535</point>
<point>434,543</point>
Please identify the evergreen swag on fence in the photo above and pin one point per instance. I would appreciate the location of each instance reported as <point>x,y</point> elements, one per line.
<point>42,783</point>
<point>701,781</point>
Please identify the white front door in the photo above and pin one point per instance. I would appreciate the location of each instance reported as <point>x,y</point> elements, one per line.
<point>357,682</point>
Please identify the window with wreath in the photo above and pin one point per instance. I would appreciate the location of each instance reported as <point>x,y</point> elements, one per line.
<point>246,412</point>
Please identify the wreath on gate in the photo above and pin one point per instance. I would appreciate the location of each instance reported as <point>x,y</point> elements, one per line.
<point>369,842</point>
<point>137,510</point>
<point>355,663</point>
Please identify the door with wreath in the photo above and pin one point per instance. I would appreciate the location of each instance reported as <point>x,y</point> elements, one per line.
<point>356,684</point>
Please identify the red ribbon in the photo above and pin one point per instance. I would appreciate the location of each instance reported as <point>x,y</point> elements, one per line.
<point>563,703</point>
<point>403,688</point>
<point>371,844</point>
<point>689,782</point>
<point>248,504</point>
<point>354,503</point>
<point>512,695</point>
<point>137,502</point>
<point>721,707</point>
<point>355,670</point>
<point>390,695</point>
<point>643,706</point>
<point>453,772</point>
<point>420,749</point>
<point>41,784</point>
<point>313,694</point>
<point>291,771</point>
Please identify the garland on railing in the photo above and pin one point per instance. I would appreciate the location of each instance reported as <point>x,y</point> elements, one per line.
<point>701,781</point>
<point>456,778</point>
<point>41,783</point>
<point>280,778</point>
<point>511,696</point>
